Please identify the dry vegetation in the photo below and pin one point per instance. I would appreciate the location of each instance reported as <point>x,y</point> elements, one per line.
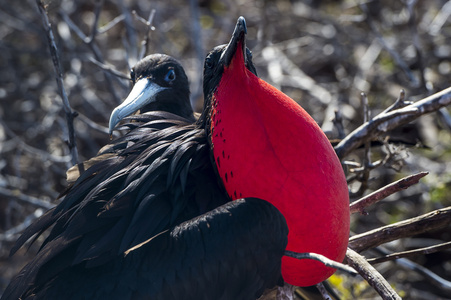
<point>321,53</point>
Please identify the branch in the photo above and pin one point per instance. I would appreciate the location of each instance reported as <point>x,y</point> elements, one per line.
<point>323,291</point>
<point>424,223</point>
<point>59,80</point>
<point>285,292</point>
<point>387,121</point>
<point>371,275</point>
<point>109,69</point>
<point>145,42</point>
<point>16,194</point>
<point>95,50</point>
<point>12,233</point>
<point>324,260</point>
<point>404,183</point>
<point>425,250</point>
<point>436,280</point>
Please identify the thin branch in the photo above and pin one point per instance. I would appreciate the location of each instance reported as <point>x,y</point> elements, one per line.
<point>387,121</point>
<point>59,80</point>
<point>95,50</point>
<point>11,234</point>
<point>396,255</point>
<point>16,194</point>
<point>196,39</point>
<point>365,175</point>
<point>109,69</point>
<point>371,275</point>
<point>436,280</point>
<point>145,42</point>
<point>285,292</point>
<point>111,24</point>
<point>424,223</point>
<point>324,260</point>
<point>131,34</point>
<point>399,103</point>
<point>19,143</point>
<point>395,55</point>
<point>384,192</point>
<point>94,30</point>
<point>323,291</point>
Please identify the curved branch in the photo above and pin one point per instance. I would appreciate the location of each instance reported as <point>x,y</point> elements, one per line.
<point>386,121</point>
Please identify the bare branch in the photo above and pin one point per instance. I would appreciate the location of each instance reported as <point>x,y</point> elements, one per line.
<point>16,194</point>
<point>196,38</point>
<point>424,223</point>
<point>11,234</point>
<point>425,250</point>
<point>108,68</point>
<point>324,260</point>
<point>384,192</point>
<point>323,291</point>
<point>395,55</point>
<point>371,275</point>
<point>285,292</point>
<point>59,80</point>
<point>111,24</point>
<point>386,121</point>
<point>94,30</point>
<point>438,281</point>
<point>19,143</point>
<point>145,42</point>
<point>95,50</point>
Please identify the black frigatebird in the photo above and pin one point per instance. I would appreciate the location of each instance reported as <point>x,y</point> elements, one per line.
<point>265,145</point>
<point>149,217</point>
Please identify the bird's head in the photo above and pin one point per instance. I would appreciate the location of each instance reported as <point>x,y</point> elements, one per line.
<point>159,83</point>
<point>235,54</point>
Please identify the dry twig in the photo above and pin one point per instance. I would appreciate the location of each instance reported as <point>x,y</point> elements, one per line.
<point>324,260</point>
<point>425,250</point>
<point>59,79</point>
<point>424,223</point>
<point>371,275</point>
<point>387,121</point>
<point>384,192</point>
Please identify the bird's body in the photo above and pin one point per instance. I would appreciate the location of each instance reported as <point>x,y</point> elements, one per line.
<point>178,263</point>
<point>145,191</point>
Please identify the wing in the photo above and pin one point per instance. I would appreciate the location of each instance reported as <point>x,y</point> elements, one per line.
<point>232,252</point>
<point>156,176</point>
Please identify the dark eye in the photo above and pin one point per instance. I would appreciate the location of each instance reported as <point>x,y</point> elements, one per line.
<point>209,62</point>
<point>170,76</point>
<point>132,75</point>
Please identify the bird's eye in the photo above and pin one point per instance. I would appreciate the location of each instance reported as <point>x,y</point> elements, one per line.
<point>209,62</point>
<point>170,76</point>
<point>132,75</point>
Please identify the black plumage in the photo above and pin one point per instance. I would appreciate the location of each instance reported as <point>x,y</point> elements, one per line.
<point>129,226</point>
<point>195,263</point>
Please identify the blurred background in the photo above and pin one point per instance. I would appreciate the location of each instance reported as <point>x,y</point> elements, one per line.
<point>321,53</point>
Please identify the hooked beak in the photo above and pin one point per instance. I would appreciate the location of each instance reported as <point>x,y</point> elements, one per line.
<point>238,40</point>
<point>144,92</point>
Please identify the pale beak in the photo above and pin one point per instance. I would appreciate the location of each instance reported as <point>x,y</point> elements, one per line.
<point>144,92</point>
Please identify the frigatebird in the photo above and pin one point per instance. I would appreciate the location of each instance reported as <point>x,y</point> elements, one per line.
<point>265,145</point>
<point>159,177</point>
<point>149,218</point>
